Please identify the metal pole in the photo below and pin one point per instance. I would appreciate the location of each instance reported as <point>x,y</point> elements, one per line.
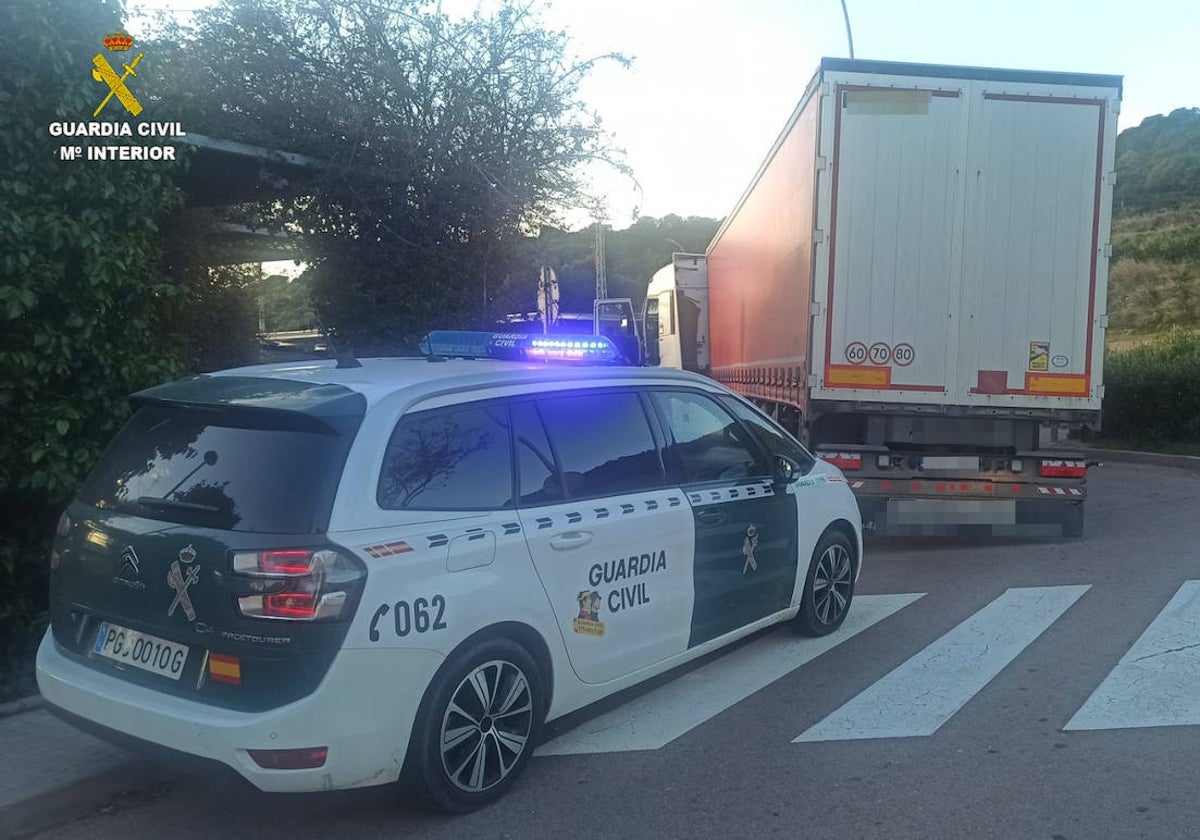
<point>849,37</point>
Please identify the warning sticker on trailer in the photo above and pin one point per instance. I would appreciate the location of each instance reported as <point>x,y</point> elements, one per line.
<point>1039,355</point>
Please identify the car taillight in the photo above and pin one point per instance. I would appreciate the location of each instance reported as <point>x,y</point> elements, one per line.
<point>843,460</point>
<point>306,585</point>
<point>1063,469</point>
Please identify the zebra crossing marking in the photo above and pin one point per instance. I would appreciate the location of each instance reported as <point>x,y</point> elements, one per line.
<point>923,693</point>
<point>1157,681</point>
<point>658,717</point>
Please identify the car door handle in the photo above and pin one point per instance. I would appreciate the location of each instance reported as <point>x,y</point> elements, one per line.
<point>712,517</point>
<point>570,539</point>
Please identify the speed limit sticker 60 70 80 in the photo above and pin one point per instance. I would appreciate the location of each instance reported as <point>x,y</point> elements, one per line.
<point>903,354</point>
<point>856,352</point>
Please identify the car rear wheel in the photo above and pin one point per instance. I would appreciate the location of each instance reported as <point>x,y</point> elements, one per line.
<point>829,586</point>
<point>476,727</point>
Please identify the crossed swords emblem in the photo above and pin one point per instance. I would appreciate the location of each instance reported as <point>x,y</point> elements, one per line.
<point>116,84</point>
<point>180,578</point>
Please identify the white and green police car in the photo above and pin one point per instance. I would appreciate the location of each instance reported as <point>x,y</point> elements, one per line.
<point>338,576</point>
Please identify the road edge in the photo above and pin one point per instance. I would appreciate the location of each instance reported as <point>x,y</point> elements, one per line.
<point>21,704</point>
<point>1186,462</point>
<point>79,798</point>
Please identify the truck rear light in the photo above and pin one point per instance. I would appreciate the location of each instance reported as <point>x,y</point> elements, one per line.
<point>308,758</point>
<point>843,460</point>
<point>1063,469</point>
<point>305,585</point>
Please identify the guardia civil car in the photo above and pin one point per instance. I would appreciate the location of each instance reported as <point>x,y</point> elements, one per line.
<point>337,575</point>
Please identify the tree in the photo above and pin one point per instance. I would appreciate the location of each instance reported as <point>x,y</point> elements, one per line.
<point>82,300</point>
<point>442,141</point>
<point>632,257</point>
<point>1158,162</point>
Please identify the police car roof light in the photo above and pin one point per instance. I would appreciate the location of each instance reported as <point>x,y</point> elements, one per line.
<point>519,347</point>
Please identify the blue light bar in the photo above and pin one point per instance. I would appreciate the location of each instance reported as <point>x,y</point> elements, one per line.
<point>520,347</point>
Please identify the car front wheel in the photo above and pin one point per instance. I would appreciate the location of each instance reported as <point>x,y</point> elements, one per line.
<point>829,586</point>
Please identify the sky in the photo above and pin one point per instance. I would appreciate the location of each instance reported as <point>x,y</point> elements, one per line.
<point>714,81</point>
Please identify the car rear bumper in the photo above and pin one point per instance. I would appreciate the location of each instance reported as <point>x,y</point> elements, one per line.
<point>363,712</point>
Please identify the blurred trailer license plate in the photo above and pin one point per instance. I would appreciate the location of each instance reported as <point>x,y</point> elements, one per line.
<point>952,512</point>
<point>141,650</point>
<point>950,462</point>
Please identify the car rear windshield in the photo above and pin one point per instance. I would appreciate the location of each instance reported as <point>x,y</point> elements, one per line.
<point>228,469</point>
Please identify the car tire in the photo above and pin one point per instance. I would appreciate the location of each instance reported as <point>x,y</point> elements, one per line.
<point>828,587</point>
<point>476,727</point>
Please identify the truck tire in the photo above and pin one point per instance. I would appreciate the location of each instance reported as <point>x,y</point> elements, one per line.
<point>828,587</point>
<point>476,727</point>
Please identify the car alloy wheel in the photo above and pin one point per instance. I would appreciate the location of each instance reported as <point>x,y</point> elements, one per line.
<point>832,582</point>
<point>486,726</point>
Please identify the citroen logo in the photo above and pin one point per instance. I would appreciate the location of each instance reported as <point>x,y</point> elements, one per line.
<point>129,572</point>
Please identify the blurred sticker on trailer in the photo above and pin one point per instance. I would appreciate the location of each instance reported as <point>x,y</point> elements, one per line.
<point>1039,355</point>
<point>1060,361</point>
<point>886,101</point>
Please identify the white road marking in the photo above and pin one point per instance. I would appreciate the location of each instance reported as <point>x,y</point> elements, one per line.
<point>1157,682</point>
<point>927,690</point>
<point>655,719</point>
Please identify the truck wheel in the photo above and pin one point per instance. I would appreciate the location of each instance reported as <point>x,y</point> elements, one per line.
<point>1072,522</point>
<point>829,586</point>
<point>476,727</point>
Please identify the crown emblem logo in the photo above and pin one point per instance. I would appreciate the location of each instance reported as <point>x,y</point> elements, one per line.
<point>118,41</point>
<point>187,554</point>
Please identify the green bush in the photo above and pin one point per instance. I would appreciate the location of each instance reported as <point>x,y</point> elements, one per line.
<point>1152,392</point>
<point>82,300</point>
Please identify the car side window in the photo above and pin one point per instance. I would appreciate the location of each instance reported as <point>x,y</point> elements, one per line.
<point>454,458</point>
<point>603,443</point>
<point>539,478</point>
<point>770,436</point>
<point>705,441</point>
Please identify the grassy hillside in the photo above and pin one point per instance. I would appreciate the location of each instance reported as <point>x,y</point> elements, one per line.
<point>1154,279</point>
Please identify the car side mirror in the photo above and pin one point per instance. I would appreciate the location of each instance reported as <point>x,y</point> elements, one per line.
<point>785,469</point>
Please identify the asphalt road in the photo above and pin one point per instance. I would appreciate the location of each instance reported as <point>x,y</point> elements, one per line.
<point>913,727</point>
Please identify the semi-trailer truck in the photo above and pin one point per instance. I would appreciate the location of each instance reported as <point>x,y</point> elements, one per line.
<point>914,284</point>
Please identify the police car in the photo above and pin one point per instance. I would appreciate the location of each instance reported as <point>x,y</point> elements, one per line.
<point>338,575</point>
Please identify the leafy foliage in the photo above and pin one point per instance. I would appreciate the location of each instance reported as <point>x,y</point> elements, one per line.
<point>442,141</point>
<point>286,304</point>
<point>81,296</point>
<point>1154,280</point>
<point>632,256</point>
<point>1158,162</point>
<point>1152,392</point>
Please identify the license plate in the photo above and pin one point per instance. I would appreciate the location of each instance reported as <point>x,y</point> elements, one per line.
<point>141,650</point>
<point>969,463</point>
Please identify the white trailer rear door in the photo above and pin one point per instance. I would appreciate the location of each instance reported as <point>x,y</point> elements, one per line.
<point>895,201</point>
<point>1031,249</point>
<point>965,262</point>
